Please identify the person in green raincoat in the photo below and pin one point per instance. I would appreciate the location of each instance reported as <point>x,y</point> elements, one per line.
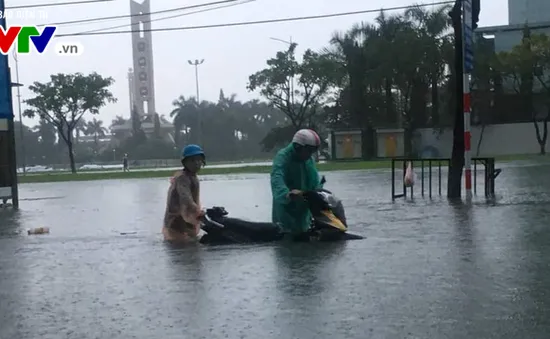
<point>292,173</point>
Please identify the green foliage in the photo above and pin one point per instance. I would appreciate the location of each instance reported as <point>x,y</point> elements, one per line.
<point>530,59</point>
<point>157,126</point>
<point>528,65</point>
<point>65,99</point>
<point>295,88</point>
<point>230,129</point>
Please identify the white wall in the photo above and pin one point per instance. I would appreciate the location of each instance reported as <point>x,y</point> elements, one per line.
<point>505,139</point>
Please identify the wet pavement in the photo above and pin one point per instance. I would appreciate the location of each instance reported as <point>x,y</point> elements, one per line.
<point>426,269</point>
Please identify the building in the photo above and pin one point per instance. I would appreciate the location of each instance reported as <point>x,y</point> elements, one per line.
<point>534,13</point>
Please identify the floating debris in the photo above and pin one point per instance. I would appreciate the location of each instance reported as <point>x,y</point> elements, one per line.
<point>38,230</point>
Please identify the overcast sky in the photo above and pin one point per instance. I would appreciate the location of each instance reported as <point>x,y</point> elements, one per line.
<point>231,54</point>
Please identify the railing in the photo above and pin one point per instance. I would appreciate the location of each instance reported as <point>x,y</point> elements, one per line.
<point>490,174</point>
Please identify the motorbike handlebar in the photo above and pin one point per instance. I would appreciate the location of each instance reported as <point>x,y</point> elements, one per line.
<point>206,218</point>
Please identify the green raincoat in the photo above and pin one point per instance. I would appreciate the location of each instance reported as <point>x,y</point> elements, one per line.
<point>287,174</point>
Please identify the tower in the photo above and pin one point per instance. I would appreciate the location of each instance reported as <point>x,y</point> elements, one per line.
<point>142,79</point>
<point>131,88</point>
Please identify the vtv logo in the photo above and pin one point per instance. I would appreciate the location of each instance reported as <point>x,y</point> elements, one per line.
<point>24,35</point>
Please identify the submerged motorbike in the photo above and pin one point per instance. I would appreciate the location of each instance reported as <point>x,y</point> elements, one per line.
<point>328,224</point>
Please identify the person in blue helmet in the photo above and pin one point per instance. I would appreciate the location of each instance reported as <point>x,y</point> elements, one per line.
<point>183,207</point>
<point>292,173</point>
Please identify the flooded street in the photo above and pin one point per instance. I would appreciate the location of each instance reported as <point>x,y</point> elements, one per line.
<point>425,270</point>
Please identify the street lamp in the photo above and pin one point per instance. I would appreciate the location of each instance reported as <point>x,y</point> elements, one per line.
<point>196,63</point>
<point>289,42</point>
<point>18,85</point>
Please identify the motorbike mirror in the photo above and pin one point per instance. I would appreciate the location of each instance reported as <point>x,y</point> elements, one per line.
<point>323,180</point>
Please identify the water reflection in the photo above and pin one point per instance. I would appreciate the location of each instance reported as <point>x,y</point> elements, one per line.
<point>427,269</point>
<point>10,222</point>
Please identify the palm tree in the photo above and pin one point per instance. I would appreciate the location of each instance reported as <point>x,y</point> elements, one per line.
<point>118,120</point>
<point>80,127</point>
<point>95,128</point>
<point>185,119</point>
<point>433,28</point>
<point>46,132</point>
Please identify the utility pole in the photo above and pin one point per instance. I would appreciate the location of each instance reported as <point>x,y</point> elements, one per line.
<point>464,22</point>
<point>196,63</point>
<point>21,130</point>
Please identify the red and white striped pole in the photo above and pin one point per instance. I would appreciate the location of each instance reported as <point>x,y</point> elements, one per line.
<point>467,64</point>
<point>467,136</point>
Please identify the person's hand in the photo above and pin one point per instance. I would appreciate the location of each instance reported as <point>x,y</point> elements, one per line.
<point>295,194</point>
<point>202,213</point>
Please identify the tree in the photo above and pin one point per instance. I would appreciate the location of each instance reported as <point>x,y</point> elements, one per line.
<point>157,131</point>
<point>27,145</point>
<point>65,99</point>
<point>138,134</point>
<point>485,87</point>
<point>117,121</point>
<point>299,103</point>
<point>525,66</point>
<point>185,116</point>
<point>95,128</point>
<point>80,127</point>
<point>433,32</point>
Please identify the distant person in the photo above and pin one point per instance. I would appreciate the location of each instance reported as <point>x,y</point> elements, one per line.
<point>183,207</point>
<point>125,167</point>
<point>293,172</point>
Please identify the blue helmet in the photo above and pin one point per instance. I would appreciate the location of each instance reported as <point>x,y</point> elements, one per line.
<point>191,150</point>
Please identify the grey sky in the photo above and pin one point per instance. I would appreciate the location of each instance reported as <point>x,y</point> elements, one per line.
<point>231,54</point>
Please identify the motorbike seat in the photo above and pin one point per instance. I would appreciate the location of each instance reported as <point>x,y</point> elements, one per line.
<point>252,228</point>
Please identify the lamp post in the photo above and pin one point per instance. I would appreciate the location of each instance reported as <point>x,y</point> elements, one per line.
<point>289,42</point>
<point>18,85</point>
<point>196,63</point>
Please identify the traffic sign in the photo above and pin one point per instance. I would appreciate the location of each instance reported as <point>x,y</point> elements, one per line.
<point>467,36</point>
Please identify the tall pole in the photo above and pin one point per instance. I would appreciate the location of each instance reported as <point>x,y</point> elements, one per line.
<point>467,65</point>
<point>21,129</point>
<point>292,81</point>
<point>196,63</point>
<point>289,42</point>
<point>454,182</point>
<point>197,83</point>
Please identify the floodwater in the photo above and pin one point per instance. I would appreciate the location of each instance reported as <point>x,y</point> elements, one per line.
<point>426,269</point>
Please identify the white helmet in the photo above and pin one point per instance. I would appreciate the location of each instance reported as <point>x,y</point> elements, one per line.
<point>307,137</point>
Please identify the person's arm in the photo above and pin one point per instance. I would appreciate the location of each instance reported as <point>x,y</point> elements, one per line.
<point>279,190</point>
<point>189,210</point>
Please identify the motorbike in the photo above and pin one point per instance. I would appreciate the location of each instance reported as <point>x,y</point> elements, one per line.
<point>328,224</point>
